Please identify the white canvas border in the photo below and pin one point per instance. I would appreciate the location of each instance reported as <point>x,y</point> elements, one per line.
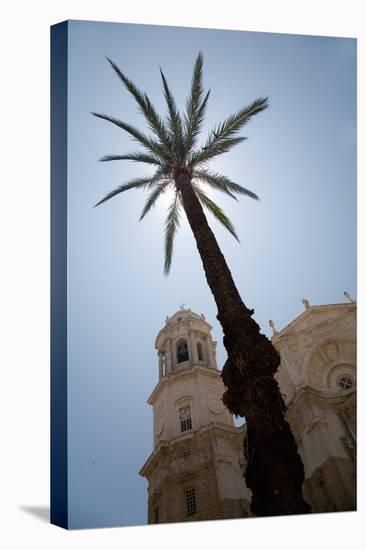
<point>25,272</point>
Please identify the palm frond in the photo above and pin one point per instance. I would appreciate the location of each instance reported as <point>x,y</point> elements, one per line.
<point>137,157</point>
<point>215,183</point>
<point>213,148</point>
<point>195,107</point>
<point>153,197</point>
<point>191,138</point>
<point>174,121</point>
<point>215,210</point>
<point>222,137</point>
<point>137,183</point>
<point>222,183</point>
<point>155,122</point>
<point>235,122</point>
<point>140,137</point>
<point>171,227</point>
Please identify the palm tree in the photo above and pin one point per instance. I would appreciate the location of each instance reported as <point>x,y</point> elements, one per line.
<point>274,471</point>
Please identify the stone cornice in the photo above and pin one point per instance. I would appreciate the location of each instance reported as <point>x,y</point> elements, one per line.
<point>189,372</point>
<point>213,427</point>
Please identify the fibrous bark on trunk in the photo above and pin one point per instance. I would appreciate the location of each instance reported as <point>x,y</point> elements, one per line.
<point>274,472</point>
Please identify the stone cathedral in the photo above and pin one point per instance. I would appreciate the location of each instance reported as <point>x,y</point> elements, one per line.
<point>196,469</point>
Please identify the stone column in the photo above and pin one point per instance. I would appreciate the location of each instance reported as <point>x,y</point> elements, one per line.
<point>209,350</point>
<point>160,365</point>
<point>194,348</point>
<point>169,357</point>
<point>189,346</point>
<point>214,344</point>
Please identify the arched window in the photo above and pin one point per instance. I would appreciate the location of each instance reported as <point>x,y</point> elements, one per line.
<point>163,364</point>
<point>182,351</point>
<point>200,351</point>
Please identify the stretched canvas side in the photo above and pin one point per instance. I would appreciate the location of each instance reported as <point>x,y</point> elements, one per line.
<point>59,492</point>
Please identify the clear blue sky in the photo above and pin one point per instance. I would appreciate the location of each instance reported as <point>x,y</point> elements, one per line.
<point>298,241</point>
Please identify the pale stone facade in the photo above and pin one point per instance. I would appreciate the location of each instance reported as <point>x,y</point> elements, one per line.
<point>317,376</point>
<point>196,469</point>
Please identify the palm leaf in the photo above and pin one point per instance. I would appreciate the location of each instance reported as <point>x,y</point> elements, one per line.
<point>222,137</point>
<point>222,183</point>
<point>215,183</point>
<point>146,107</point>
<point>235,122</point>
<point>215,210</point>
<point>174,121</point>
<point>153,197</point>
<point>143,139</point>
<point>213,148</point>
<point>195,107</point>
<point>137,183</point>
<point>137,157</point>
<point>171,227</point>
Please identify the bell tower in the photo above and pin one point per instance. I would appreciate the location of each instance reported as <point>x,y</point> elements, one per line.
<point>195,471</point>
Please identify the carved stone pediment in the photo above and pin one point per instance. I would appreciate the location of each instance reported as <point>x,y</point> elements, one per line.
<point>314,316</point>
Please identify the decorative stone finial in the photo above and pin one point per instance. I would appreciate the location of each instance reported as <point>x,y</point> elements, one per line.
<point>182,306</point>
<point>272,325</point>
<point>348,297</point>
<point>306,303</point>
<point>166,319</point>
<point>203,317</point>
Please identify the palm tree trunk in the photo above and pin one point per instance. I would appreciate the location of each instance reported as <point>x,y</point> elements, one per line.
<point>274,472</point>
